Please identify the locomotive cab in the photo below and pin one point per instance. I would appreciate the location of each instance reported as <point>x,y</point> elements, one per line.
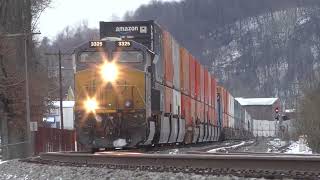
<point>112,90</point>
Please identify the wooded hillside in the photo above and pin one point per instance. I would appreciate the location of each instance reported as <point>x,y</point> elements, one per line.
<point>255,48</point>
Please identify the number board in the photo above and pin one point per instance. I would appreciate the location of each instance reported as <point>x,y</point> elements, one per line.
<point>94,44</point>
<point>123,43</point>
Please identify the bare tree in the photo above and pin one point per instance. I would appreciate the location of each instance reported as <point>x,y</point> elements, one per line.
<point>308,122</point>
<point>16,17</point>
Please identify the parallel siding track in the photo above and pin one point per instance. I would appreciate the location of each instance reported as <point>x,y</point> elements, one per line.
<point>238,164</point>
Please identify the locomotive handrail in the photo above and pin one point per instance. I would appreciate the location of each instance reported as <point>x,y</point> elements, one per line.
<point>144,102</point>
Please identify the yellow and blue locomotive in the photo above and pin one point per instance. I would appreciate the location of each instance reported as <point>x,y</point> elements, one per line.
<point>112,85</point>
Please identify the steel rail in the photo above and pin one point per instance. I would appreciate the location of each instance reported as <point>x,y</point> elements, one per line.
<point>252,153</point>
<point>193,161</point>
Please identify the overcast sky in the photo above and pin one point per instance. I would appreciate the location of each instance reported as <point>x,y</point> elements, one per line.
<point>70,12</point>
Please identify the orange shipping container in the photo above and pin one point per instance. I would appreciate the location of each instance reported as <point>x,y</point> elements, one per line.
<point>192,75</point>
<point>203,112</point>
<point>201,83</point>
<point>193,110</point>
<point>184,71</point>
<point>213,119</point>
<point>197,82</point>
<point>198,111</point>
<point>213,91</point>
<point>206,114</point>
<point>209,114</point>
<point>168,64</point>
<point>168,100</point>
<point>206,86</point>
<point>209,90</point>
<point>186,109</point>
<point>215,116</point>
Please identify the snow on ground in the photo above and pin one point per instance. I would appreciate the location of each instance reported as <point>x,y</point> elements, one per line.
<point>298,148</point>
<point>227,147</point>
<point>1,162</point>
<point>20,170</point>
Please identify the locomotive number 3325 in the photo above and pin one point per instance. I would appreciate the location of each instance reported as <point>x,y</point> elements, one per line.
<point>96,43</point>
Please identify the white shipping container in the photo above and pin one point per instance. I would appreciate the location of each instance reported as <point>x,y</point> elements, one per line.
<point>176,64</point>
<point>248,123</point>
<point>231,111</point>
<point>176,102</point>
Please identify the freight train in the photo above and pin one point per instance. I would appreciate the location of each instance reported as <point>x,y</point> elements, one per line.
<point>137,86</point>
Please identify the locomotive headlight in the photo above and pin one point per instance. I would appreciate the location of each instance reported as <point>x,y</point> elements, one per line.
<point>109,72</point>
<point>91,105</point>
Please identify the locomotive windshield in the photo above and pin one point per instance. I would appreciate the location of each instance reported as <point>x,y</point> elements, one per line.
<point>128,56</point>
<point>91,57</point>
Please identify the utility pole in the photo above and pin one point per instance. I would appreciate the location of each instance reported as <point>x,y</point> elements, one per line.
<point>61,94</point>
<point>59,54</point>
<point>30,147</point>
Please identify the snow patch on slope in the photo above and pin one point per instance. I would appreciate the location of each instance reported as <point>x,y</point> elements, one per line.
<point>298,148</point>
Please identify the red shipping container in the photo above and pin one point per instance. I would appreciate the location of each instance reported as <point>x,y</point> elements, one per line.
<point>197,82</point>
<point>193,110</point>
<point>198,110</point>
<point>201,83</point>
<point>202,111</point>
<point>192,75</point>
<point>216,117</point>
<point>212,119</point>
<point>213,91</point>
<point>206,114</point>
<point>168,64</point>
<point>221,92</point>
<point>209,114</point>
<point>209,90</point>
<point>184,71</point>
<point>206,87</point>
<point>168,100</point>
<point>183,106</point>
<point>186,109</point>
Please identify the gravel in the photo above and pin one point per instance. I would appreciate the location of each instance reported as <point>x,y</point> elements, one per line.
<point>16,169</point>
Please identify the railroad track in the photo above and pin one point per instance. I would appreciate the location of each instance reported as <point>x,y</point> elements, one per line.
<point>238,164</point>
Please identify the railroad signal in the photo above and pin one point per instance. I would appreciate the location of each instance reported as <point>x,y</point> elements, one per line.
<point>276,110</point>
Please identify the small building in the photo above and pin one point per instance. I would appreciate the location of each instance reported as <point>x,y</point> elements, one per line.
<point>262,111</point>
<point>53,118</point>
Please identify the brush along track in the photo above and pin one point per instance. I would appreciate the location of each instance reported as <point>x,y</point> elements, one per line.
<point>242,165</point>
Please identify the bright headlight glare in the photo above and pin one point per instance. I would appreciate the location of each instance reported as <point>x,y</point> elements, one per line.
<point>128,104</point>
<point>109,71</point>
<point>91,105</point>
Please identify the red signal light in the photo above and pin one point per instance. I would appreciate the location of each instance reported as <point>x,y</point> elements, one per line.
<point>276,110</point>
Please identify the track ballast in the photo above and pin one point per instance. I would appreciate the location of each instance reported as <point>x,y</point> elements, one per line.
<point>237,164</point>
